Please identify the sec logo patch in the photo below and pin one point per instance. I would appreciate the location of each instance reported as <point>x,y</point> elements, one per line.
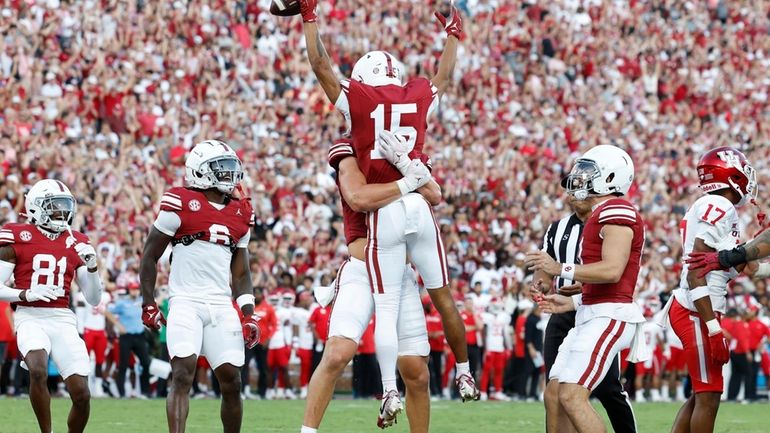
<point>194,205</point>
<point>25,236</point>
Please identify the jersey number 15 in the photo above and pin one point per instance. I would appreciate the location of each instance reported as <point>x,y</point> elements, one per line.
<point>396,110</point>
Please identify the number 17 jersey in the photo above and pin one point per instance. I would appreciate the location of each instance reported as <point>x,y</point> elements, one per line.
<point>713,219</point>
<point>401,110</point>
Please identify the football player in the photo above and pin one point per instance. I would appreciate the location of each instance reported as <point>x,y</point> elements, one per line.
<point>373,101</point>
<point>711,224</point>
<point>44,256</point>
<point>353,302</point>
<point>95,336</point>
<point>209,231</point>
<point>607,317</point>
<point>496,342</point>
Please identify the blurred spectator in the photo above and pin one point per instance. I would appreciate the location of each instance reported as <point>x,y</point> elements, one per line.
<point>126,315</point>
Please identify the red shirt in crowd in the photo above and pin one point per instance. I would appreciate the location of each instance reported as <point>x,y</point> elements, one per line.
<point>320,319</point>
<point>757,332</point>
<point>366,346</point>
<point>739,333</point>
<point>6,331</point>
<point>268,321</point>
<point>435,332</point>
<point>518,350</point>
<point>471,336</point>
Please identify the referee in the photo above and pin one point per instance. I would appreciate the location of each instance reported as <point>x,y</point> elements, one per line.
<point>562,243</point>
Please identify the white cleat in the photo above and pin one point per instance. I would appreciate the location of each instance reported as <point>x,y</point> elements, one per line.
<point>303,393</point>
<point>389,409</point>
<point>484,396</point>
<point>499,396</point>
<point>466,387</point>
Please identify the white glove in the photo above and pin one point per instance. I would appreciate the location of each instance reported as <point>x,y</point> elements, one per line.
<point>43,293</point>
<point>416,175</point>
<point>87,254</point>
<point>395,149</point>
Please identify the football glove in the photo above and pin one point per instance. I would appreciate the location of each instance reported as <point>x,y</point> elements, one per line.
<point>152,317</point>
<point>251,332</point>
<point>43,293</point>
<point>720,350</point>
<point>453,25</point>
<point>87,254</point>
<point>395,149</point>
<point>416,175</point>
<point>307,10</point>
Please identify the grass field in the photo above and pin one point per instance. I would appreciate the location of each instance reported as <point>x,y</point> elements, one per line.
<point>348,416</point>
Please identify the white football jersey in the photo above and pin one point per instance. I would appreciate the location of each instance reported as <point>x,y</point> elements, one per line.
<point>301,317</point>
<point>93,317</point>
<point>713,219</point>
<point>283,332</point>
<point>495,325</point>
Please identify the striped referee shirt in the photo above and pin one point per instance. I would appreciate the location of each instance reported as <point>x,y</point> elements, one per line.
<point>562,242</point>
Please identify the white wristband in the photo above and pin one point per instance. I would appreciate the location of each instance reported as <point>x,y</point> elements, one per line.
<point>713,327</point>
<point>401,183</point>
<point>699,292</point>
<point>568,271</point>
<point>577,300</point>
<point>245,299</point>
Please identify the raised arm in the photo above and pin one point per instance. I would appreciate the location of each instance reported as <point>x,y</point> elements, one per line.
<point>316,52</point>
<point>453,25</point>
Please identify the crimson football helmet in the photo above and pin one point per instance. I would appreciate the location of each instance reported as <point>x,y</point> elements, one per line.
<point>727,167</point>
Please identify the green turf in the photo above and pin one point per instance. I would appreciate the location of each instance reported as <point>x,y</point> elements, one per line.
<point>348,416</point>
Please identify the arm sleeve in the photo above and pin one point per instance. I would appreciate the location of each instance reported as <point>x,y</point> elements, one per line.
<point>343,105</point>
<point>7,294</point>
<point>243,242</point>
<point>6,271</point>
<point>90,285</point>
<point>167,223</point>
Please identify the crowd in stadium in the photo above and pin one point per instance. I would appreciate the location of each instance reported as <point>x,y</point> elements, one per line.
<point>109,95</point>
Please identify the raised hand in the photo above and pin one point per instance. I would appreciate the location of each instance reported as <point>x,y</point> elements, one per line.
<point>453,25</point>
<point>307,10</point>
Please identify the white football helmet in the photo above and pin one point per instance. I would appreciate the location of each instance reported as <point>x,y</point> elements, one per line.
<point>378,68</point>
<point>603,170</point>
<point>50,204</point>
<point>213,164</point>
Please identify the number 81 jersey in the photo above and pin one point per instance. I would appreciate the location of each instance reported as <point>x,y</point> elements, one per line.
<point>41,260</point>
<point>713,219</point>
<point>205,236</point>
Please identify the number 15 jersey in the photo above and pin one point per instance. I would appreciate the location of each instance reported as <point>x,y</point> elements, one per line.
<point>713,219</point>
<point>401,110</point>
<point>204,238</point>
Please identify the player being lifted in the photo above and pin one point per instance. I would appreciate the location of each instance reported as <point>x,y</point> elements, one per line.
<point>44,260</point>
<point>353,302</point>
<point>375,100</point>
<point>209,231</point>
<point>711,224</point>
<point>607,317</point>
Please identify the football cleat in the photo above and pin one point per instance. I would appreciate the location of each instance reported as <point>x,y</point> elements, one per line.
<point>389,409</point>
<point>466,387</point>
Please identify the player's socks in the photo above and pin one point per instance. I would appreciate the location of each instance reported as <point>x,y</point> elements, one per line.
<point>308,430</point>
<point>462,368</point>
<point>389,385</point>
<point>654,394</point>
<point>639,395</point>
<point>680,393</point>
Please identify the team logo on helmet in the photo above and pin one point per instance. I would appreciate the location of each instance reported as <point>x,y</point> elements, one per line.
<point>194,205</point>
<point>25,236</point>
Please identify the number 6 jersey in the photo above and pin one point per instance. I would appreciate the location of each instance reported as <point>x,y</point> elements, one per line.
<point>41,260</point>
<point>205,236</point>
<point>713,219</point>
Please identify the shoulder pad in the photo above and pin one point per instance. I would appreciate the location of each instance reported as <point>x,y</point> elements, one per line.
<point>172,200</point>
<point>618,212</point>
<point>340,150</point>
<point>712,208</point>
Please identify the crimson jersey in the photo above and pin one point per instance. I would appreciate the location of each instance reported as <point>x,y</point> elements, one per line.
<point>43,261</point>
<point>204,240</point>
<point>401,110</point>
<point>354,222</point>
<point>616,211</point>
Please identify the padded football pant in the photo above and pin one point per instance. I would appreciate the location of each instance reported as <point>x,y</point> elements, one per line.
<point>609,391</point>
